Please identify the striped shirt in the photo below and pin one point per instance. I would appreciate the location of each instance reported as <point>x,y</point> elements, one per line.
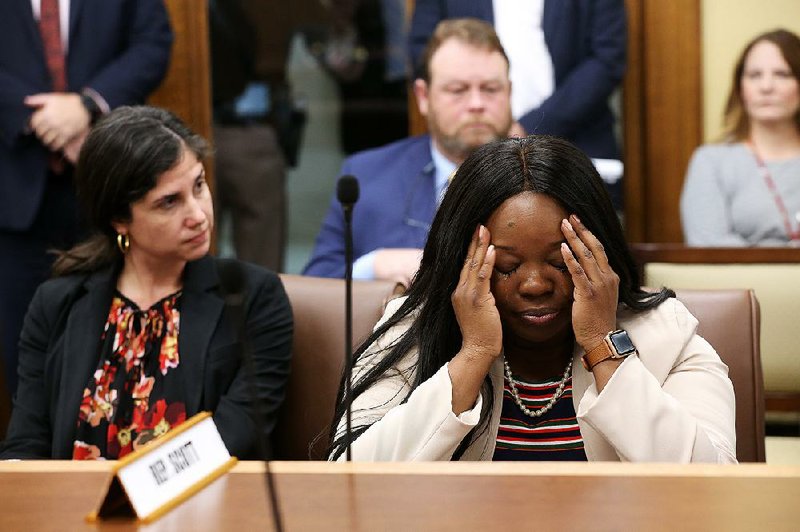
<point>553,436</point>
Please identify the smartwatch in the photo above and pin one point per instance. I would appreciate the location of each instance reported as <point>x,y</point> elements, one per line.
<point>616,345</point>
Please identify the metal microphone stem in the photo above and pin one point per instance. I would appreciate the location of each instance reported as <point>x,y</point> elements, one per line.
<point>348,322</point>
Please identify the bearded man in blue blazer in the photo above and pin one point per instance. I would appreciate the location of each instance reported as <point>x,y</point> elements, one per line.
<point>581,45</point>
<point>114,53</point>
<point>464,94</point>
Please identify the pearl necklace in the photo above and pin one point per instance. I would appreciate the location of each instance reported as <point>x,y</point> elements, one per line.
<point>546,408</point>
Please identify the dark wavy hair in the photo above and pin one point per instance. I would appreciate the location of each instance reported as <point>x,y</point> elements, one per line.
<point>736,121</point>
<point>121,161</point>
<point>491,175</point>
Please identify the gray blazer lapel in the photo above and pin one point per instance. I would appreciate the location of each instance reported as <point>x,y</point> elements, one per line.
<point>201,309</point>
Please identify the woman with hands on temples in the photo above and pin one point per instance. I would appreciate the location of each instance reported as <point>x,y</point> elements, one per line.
<point>525,334</point>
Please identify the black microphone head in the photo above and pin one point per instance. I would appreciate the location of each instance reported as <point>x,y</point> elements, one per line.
<point>347,190</point>
<point>231,277</point>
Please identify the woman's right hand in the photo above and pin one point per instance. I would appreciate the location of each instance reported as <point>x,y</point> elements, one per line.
<point>474,304</point>
<point>481,332</point>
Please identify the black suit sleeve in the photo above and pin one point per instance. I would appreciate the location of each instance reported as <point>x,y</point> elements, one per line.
<point>30,430</point>
<point>269,333</point>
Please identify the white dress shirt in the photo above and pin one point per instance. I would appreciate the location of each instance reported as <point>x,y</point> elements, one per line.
<point>63,19</point>
<point>531,67</point>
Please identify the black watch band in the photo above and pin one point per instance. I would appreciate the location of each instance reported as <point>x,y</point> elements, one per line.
<point>91,106</point>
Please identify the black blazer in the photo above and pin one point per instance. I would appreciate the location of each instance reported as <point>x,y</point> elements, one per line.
<point>60,346</point>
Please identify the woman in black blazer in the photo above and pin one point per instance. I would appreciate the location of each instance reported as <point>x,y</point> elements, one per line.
<point>138,330</point>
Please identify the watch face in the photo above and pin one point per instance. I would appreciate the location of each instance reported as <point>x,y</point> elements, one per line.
<point>622,343</point>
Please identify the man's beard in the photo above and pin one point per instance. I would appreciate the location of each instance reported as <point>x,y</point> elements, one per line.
<point>459,145</point>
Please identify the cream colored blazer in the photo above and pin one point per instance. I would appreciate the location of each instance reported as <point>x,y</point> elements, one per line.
<point>672,403</point>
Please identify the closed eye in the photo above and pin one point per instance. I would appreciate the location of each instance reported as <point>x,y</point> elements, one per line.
<point>506,272</point>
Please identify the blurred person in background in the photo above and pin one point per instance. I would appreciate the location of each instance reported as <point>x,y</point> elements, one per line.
<point>464,94</point>
<point>746,190</point>
<point>567,59</point>
<point>257,126</point>
<point>363,48</point>
<point>63,64</point>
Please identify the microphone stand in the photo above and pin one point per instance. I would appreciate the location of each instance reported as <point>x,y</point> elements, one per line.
<point>347,194</point>
<point>265,448</point>
<point>232,280</point>
<point>348,319</point>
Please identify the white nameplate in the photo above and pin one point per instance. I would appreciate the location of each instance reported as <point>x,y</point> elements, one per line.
<point>152,480</point>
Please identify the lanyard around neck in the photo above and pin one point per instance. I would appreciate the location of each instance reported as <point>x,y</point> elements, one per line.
<point>776,196</point>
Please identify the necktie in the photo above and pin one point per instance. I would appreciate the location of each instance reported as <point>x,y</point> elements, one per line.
<point>50,28</point>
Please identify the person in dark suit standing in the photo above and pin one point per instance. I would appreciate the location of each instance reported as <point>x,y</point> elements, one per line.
<point>464,93</point>
<point>567,58</point>
<point>63,63</point>
<point>140,329</point>
<point>257,125</point>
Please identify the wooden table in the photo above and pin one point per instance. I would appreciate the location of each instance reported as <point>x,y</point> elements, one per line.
<point>319,496</point>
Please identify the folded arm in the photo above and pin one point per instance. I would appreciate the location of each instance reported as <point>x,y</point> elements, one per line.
<point>690,417</point>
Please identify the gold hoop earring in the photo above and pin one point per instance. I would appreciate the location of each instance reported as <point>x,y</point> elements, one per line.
<point>123,243</point>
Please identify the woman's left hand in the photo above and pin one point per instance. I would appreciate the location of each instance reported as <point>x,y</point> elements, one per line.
<point>596,294</point>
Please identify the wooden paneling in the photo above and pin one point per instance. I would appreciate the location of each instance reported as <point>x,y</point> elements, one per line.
<point>186,89</point>
<point>645,253</point>
<point>633,125</point>
<point>663,120</point>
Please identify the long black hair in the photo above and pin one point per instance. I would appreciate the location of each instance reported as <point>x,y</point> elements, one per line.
<point>121,161</point>
<point>487,178</point>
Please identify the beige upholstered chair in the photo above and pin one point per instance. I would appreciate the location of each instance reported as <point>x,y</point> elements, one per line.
<point>318,357</point>
<point>729,321</point>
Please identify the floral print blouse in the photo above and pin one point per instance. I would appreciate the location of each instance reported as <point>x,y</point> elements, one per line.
<point>136,393</point>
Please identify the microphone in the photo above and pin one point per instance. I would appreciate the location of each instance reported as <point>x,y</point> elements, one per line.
<point>234,290</point>
<point>347,194</point>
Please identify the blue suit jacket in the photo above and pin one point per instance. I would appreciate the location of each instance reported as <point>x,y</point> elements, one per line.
<point>395,207</point>
<point>118,48</point>
<point>587,42</point>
